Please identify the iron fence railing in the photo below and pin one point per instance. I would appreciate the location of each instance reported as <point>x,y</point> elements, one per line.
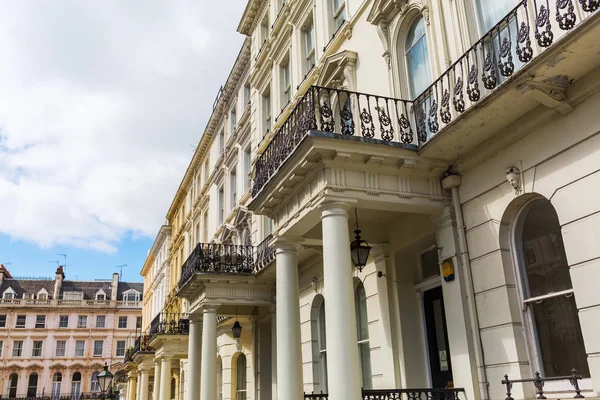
<point>169,324</point>
<point>265,255</point>
<point>520,36</point>
<point>539,381</point>
<point>142,344</point>
<point>399,394</point>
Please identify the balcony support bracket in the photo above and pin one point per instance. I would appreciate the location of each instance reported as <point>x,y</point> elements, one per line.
<point>551,96</point>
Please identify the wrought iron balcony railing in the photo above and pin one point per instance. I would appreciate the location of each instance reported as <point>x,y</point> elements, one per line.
<point>169,324</point>
<point>265,255</point>
<point>335,111</point>
<point>141,344</point>
<point>399,394</point>
<point>213,257</point>
<point>539,381</point>
<point>524,33</point>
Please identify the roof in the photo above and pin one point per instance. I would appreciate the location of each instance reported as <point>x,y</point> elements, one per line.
<point>89,288</point>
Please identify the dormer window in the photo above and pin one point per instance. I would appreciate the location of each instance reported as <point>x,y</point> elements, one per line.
<point>42,294</point>
<point>100,295</point>
<point>131,295</point>
<point>8,294</point>
<point>29,296</point>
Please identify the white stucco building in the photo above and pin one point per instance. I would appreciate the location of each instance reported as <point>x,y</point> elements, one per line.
<point>460,137</point>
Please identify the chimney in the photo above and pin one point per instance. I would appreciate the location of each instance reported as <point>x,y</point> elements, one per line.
<point>4,273</point>
<point>60,277</point>
<point>115,286</point>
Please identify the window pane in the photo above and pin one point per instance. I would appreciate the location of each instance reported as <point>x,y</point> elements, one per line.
<point>559,337</point>
<point>362,322</point>
<point>417,59</point>
<point>543,252</point>
<point>492,11</point>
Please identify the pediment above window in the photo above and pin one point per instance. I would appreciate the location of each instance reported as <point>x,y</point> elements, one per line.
<point>386,10</point>
<point>338,71</point>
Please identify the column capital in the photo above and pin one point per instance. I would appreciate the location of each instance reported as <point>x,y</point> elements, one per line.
<point>209,308</point>
<point>331,208</point>
<point>286,244</point>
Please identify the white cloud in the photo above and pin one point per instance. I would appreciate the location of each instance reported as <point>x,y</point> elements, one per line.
<point>99,104</point>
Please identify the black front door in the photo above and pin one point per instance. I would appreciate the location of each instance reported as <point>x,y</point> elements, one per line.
<point>437,339</point>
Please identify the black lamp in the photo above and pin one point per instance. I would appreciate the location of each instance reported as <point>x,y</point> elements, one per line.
<point>359,249</point>
<point>237,328</point>
<point>105,378</point>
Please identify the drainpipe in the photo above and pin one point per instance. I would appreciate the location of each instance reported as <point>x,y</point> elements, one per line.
<point>452,182</point>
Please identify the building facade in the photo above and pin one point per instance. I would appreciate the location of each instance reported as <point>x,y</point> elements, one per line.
<point>56,335</point>
<point>459,139</point>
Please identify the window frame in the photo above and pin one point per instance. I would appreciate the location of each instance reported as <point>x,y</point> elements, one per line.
<point>37,347</point>
<point>61,320</point>
<point>117,348</point>
<point>80,319</point>
<point>63,348</point>
<point>405,50</point>
<point>363,341</point>
<point>82,348</point>
<point>98,345</point>
<point>520,270</point>
<point>100,318</point>
<point>120,320</point>
<point>21,326</point>
<point>337,13</point>
<point>3,320</point>
<point>42,324</point>
<point>309,54</point>
<point>17,348</point>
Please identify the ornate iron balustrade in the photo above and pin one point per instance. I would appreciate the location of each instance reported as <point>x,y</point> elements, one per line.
<point>400,394</point>
<point>524,33</point>
<point>265,255</point>
<point>169,324</point>
<point>142,344</point>
<point>538,383</point>
<point>335,111</point>
<point>220,258</point>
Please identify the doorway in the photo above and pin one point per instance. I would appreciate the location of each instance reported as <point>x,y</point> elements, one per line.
<point>437,339</point>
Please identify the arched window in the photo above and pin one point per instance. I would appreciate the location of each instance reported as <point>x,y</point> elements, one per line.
<point>76,384</point>
<point>219,378</point>
<point>56,384</point>
<point>362,326</point>
<point>240,368</point>
<point>416,53</point>
<point>32,385</point>
<point>95,385</point>
<point>548,292</point>
<point>13,382</point>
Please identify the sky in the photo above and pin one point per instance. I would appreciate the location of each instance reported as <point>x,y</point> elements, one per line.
<point>101,105</point>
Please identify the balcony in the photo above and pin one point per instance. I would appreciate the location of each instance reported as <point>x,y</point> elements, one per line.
<point>265,255</point>
<point>217,258</point>
<point>400,394</point>
<point>522,51</point>
<point>169,324</point>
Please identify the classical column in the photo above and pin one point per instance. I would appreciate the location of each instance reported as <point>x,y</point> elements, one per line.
<point>144,383</point>
<point>139,387</point>
<point>128,393</point>
<point>165,378</point>
<point>157,377</point>
<point>289,356</point>
<point>343,365</point>
<point>193,370</point>
<point>208,372</point>
<point>132,393</point>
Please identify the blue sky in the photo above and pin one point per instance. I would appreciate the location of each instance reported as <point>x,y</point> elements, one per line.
<point>101,106</point>
<point>27,259</point>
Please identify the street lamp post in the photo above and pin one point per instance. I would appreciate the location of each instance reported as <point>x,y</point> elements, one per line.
<point>105,379</point>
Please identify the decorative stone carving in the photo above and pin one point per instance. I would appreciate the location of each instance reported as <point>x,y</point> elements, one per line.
<point>513,176</point>
<point>425,12</point>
